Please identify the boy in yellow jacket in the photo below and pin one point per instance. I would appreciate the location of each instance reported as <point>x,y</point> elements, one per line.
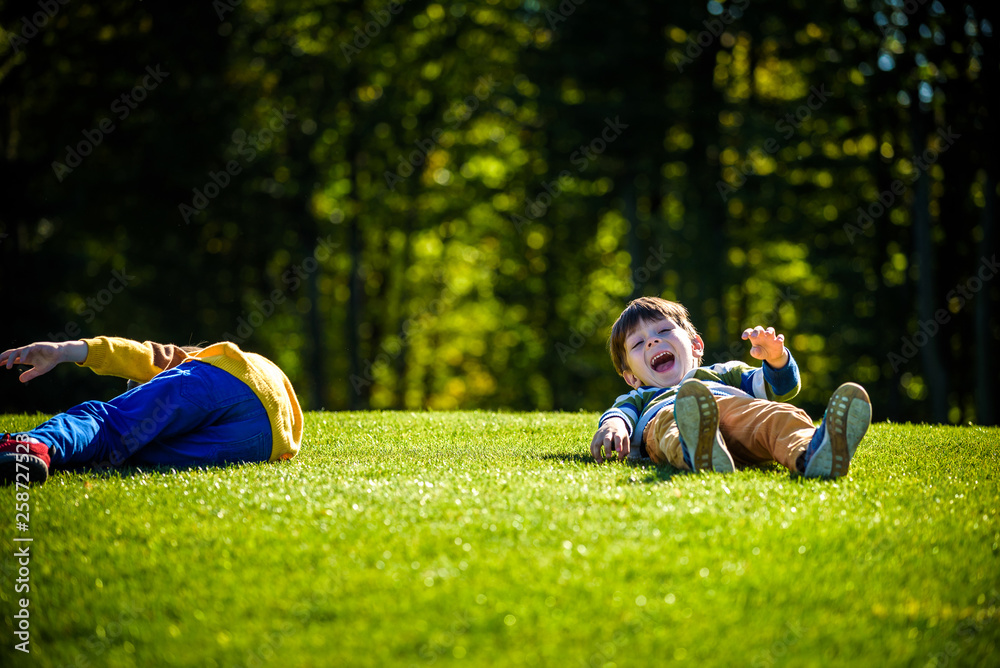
<point>211,405</point>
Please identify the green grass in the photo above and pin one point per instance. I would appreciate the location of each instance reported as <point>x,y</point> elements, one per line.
<point>481,539</point>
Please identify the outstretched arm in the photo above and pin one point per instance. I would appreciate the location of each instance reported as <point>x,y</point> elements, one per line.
<point>124,358</point>
<point>43,356</point>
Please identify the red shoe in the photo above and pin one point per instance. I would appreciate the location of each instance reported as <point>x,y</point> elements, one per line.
<point>23,461</point>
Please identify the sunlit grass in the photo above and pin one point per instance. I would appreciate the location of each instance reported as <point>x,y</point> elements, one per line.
<point>491,539</point>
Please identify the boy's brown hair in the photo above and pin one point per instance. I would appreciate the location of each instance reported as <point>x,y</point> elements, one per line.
<point>647,309</point>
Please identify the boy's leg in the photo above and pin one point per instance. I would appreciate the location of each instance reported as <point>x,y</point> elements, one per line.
<point>239,432</point>
<point>188,398</point>
<point>664,441</point>
<point>687,434</point>
<point>758,431</point>
<point>71,436</point>
<point>109,432</point>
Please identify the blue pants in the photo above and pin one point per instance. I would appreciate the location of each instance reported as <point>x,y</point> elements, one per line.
<point>192,414</point>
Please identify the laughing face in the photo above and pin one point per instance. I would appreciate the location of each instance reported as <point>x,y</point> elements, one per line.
<point>659,354</point>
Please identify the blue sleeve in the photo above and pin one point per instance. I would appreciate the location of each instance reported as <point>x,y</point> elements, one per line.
<point>617,412</point>
<point>746,381</point>
<point>766,382</point>
<point>784,382</point>
<point>627,407</point>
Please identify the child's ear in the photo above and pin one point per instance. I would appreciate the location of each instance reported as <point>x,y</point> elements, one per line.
<point>632,381</point>
<point>697,347</point>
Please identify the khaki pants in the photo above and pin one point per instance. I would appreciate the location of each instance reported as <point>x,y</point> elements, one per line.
<point>755,431</point>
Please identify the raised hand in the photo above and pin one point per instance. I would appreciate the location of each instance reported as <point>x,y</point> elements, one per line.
<point>766,345</point>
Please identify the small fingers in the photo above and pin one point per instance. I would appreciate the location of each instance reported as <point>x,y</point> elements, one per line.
<point>13,356</point>
<point>624,446</point>
<point>755,332</point>
<point>595,447</point>
<point>611,445</point>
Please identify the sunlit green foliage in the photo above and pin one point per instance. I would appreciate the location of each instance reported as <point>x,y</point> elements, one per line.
<point>445,205</point>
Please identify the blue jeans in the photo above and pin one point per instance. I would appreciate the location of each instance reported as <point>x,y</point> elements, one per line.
<point>192,414</point>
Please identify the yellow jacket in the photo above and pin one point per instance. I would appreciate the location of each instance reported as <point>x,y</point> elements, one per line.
<point>112,356</point>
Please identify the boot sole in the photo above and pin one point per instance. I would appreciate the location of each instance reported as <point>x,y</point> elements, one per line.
<point>848,415</point>
<point>697,417</point>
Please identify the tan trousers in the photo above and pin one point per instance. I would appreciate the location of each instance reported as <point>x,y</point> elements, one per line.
<point>755,431</point>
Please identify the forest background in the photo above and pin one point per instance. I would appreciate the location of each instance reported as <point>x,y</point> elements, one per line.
<point>427,205</point>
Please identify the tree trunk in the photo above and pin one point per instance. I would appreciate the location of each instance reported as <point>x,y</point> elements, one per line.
<point>359,388</point>
<point>634,247</point>
<point>934,371</point>
<point>986,372</point>
<point>985,377</point>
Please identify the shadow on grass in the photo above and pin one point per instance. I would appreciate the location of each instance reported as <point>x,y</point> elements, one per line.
<point>103,472</point>
<point>661,473</point>
<point>575,458</point>
<point>664,473</point>
<point>654,472</point>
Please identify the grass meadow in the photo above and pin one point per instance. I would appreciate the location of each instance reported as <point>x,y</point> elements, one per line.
<point>492,539</point>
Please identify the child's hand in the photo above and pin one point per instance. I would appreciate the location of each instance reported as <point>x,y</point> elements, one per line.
<point>42,357</point>
<point>767,346</point>
<point>613,437</point>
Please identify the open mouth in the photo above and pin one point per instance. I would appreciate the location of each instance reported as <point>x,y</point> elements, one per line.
<point>662,361</point>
